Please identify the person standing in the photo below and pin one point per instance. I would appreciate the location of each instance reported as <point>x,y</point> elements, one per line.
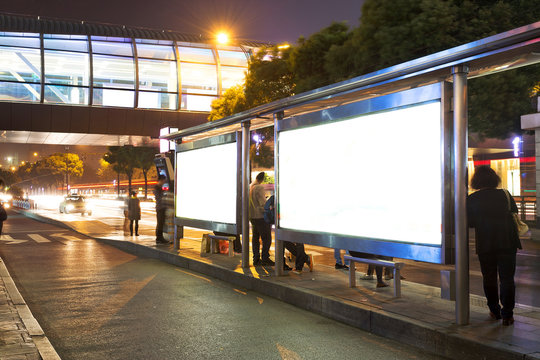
<point>261,229</point>
<point>3,216</point>
<point>340,264</point>
<point>489,213</point>
<point>134,212</point>
<point>160,210</point>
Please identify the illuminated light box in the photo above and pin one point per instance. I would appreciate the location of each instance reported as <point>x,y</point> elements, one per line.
<point>375,176</point>
<point>207,183</point>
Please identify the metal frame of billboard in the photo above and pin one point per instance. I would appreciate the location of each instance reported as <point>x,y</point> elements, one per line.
<point>208,224</point>
<point>429,253</point>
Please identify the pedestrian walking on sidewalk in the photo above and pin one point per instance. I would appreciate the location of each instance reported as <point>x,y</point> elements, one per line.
<point>489,212</point>
<point>134,212</point>
<point>261,229</point>
<point>160,210</point>
<point>3,217</point>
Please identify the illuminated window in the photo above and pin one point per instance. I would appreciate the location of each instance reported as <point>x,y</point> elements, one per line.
<point>231,76</point>
<point>198,55</point>
<point>157,100</point>
<point>114,72</point>
<point>20,67</point>
<point>112,48</point>
<point>13,91</point>
<point>68,68</point>
<point>197,102</point>
<point>198,78</point>
<point>112,97</point>
<point>155,52</point>
<point>66,94</point>
<point>235,58</point>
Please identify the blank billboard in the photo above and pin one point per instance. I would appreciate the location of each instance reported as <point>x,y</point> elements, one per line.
<point>375,176</point>
<point>206,183</point>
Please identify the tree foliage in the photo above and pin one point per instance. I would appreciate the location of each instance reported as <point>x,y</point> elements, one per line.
<point>67,164</point>
<point>307,60</point>
<point>232,101</point>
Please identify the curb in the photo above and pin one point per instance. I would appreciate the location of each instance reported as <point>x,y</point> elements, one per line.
<point>442,341</point>
<point>43,345</point>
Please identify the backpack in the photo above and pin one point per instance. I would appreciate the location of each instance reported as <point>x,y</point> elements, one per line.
<point>3,214</point>
<point>268,213</point>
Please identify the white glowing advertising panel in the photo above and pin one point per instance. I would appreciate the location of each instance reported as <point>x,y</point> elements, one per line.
<point>375,176</point>
<point>206,183</point>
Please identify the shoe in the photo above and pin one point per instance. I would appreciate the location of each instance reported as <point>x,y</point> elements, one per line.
<point>381,285</point>
<point>367,277</point>
<point>341,266</point>
<point>268,263</point>
<point>494,316</point>
<point>508,321</point>
<point>131,234</point>
<point>256,262</point>
<point>162,241</point>
<point>298,272</point>
<point>136,234</point>
<point>310,262</point>
<point>287,267</point>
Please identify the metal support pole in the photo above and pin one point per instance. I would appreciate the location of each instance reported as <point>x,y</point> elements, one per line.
<point>245,194</point>
<point>460,193</point>
<point>178,234</point>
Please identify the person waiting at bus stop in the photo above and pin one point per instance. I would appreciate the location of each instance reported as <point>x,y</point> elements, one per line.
<point>160,210</point>
<point>134,212</point>
<point>261,229</point>
<point>497,240</point>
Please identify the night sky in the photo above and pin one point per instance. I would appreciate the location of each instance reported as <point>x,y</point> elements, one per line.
<point>273,21</point>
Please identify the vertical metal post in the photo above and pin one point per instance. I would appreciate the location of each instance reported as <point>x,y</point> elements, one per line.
<point>460,193</point>
<point>245,194</point>
<point>279,251</point>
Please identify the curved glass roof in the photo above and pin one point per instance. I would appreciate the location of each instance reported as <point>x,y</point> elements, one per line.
<point>59,62</point>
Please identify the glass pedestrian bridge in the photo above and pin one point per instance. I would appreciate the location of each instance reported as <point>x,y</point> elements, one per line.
<point>88,64</point>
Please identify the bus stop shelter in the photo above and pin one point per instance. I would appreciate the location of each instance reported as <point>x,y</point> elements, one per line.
<point>362,139</point>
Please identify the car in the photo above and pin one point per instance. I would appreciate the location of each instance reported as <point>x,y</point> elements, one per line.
<point>75,204</point>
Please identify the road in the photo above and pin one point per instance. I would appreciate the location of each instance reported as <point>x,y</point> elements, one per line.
<point>97,302</point>
<point>527,271</point>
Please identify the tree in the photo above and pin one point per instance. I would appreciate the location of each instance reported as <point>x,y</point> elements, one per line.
<point>7,178</point>
<point>231,102</point>
<point>307,60</point>
<point>67,164</point>
<point>145,161</point>
<point>123,160</point>
<point>269,77</point>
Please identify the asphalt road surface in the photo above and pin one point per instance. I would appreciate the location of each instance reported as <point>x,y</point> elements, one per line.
<point>97,302</point>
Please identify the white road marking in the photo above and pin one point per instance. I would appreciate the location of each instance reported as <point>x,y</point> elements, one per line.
<point>38,238</point>
<point>10,241</point>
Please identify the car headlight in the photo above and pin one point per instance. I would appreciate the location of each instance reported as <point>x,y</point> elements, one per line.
<point>6,205</point>
<point>70,207</point>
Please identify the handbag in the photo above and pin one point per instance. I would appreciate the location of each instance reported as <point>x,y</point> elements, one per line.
<point>521,227</point>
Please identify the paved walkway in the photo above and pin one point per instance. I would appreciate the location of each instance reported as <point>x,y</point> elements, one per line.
<point>419,317</point>
<point>21,337</point>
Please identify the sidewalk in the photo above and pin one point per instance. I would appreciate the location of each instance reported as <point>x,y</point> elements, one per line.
<point>21,337</point>
<point>419,317</point>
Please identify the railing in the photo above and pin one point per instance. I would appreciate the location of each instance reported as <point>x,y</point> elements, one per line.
<point>526,207</point>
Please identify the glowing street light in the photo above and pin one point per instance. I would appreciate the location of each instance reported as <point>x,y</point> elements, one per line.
<point>222,38</point>
<point>35,154</point>
<point>283,46</point>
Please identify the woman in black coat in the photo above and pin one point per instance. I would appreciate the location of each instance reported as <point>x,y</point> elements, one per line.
<point>489,212</point>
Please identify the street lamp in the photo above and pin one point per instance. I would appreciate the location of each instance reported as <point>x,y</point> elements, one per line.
<point>35,154</point>
<point>222,38</point>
